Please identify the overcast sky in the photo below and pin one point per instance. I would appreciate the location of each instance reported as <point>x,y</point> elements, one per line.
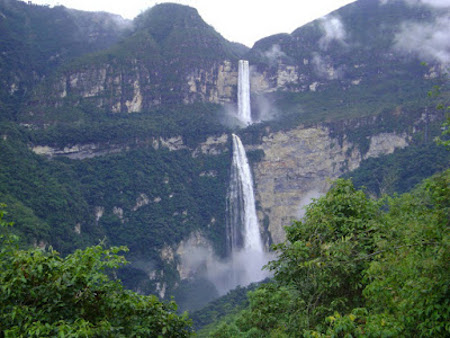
<point>244,21</point>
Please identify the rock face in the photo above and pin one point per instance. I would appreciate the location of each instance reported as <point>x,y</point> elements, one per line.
<point>141,87</point>
<point>298,164</point>
<point>78,151</point>
<point>138,89</point>
<point>214,145</point>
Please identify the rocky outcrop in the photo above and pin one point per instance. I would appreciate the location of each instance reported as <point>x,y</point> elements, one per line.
<point>214,145</point>
<point>107,86</point>
<point>386,143</point>
<point>78,151</point>
<point>300,163</point>
<point>216,85</point>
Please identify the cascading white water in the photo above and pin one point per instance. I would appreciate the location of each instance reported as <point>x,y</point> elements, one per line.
<point>242,219</point>
<point>244,108</point>
<point>243,236</point>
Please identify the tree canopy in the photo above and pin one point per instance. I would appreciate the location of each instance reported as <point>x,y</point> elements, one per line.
<point>44,294</point>
<point>355,266</point>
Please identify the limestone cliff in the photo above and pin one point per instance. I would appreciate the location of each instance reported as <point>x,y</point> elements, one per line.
<point>299,164</point>
<point>139,88</point>
<point>214,145</point>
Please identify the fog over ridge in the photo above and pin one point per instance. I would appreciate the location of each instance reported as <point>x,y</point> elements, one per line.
<point>430,41</point>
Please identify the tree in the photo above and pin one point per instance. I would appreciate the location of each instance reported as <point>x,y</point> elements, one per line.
<point>409,281</point>
<point>43,294</point>
<point>325,254</point>
<point>407,292</point>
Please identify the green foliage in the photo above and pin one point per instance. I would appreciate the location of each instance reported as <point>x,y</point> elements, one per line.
<point>44,197</point>
<point>325,254</point>
<point>194,293</point>
<point>56,202</point>
<point>397,172</point>
<point>409,280</point>
<point>183,36</point>
<point>43,294</point>
<point>35,40</point>
<point>356,267</point>
<point>194,123</point>
<point>444,138</point>
<point>233,302</point>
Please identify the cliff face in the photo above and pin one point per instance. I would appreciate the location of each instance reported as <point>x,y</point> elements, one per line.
<point>214,145</point>
<point>300,164</point>
<point>36,40</point>
<point>139,88</point>
<point>170,56</point>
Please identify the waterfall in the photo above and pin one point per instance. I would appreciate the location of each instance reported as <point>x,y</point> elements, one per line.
<point>244,108</point>
<point>243,228</point>
<point>243,236</point>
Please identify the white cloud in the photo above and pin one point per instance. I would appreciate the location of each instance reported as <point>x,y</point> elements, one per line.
<point>333,30</point>
<point>433,3</point>
<point>430,41</point>
<point>274,54</point>
<point>236,20</point>
<point>325,69</point>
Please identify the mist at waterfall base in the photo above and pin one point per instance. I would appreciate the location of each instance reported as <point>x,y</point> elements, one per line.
<point>246,256</point>
<point>213,276</point>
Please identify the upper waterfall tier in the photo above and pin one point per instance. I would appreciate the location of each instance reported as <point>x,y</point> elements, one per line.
<point>244,108</point>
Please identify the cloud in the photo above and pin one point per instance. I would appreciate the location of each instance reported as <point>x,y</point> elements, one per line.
<point>324,68</point>
<point>429,41</point>
<point>274,53</point>
<point>432,3</point>
<point>333,31</point>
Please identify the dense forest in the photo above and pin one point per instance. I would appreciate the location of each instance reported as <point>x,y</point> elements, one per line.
<point>352,266</point>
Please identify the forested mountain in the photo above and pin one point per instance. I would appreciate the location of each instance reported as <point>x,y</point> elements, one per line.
<point>37,39</point>
<point>119,131</point>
